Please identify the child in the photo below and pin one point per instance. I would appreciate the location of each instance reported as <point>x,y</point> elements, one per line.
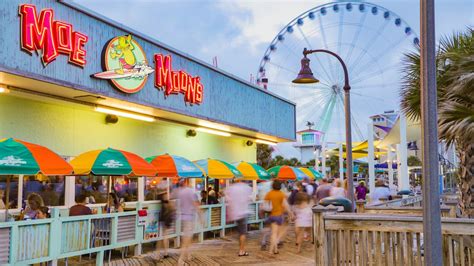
<point>43,213</point>
<point>303,221</point>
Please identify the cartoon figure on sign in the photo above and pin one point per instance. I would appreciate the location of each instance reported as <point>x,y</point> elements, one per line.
<point>123,51</point>
<point>125,64</point>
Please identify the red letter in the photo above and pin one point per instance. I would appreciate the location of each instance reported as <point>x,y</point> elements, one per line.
<point>63,36</point>
<point>78,55</point>
<point>163,72</point>
<point>199,91</point>
<point>191,92</point>
<point>176,82</point>
<point>183,76</point>
<point>37,34</point>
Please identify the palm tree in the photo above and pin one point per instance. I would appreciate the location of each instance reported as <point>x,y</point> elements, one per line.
<point>455,84</point>
<point>264,155</point>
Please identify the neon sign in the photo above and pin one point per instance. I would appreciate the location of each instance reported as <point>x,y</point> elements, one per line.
<point>175,82</point>
<point>125,64</point>
<point>50,37</point>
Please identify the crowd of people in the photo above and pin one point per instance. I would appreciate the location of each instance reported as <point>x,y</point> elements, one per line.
<point>285,203</point>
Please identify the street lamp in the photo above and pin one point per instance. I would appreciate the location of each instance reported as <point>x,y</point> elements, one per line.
<point>305,76</point>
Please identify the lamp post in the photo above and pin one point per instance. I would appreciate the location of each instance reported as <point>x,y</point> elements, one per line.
<point>305,76</point>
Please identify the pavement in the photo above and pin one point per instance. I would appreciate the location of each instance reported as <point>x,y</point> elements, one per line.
<point>224,251</point>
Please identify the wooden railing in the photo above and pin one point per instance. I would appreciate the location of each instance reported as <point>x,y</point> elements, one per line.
<point>36,241</point>
<point>378,239</point>
<point>399,201</point>
<point>446,211</point>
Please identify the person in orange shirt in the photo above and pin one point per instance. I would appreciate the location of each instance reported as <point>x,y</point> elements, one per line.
<point>279,207</point>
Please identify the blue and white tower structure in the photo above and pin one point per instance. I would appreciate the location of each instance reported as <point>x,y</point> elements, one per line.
<point>309,143</point>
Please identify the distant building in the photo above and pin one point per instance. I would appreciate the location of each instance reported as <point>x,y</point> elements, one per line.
<point>308,141</point>
<point>383,123</point>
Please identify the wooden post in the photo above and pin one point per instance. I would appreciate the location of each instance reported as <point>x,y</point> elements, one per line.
<point>320,241</point>
<point>139,230</point>
<point>99,260</point>
<point>361,206</point>
<point>55,230</point>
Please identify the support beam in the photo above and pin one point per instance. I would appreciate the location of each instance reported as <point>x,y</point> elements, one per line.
<point>141,189</point>
<point>69,191</point>
<point>399,169</point>
<point>341,163</point>
<point>323,158</point>
<point>371,157</point>
<point>389,165</point>
<point>254,190</point>
<point>403,152</point>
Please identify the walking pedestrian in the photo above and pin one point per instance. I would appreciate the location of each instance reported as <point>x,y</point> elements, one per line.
<point>303,218</point>
<point>298,187</point>
<point>167,217</point>
<point>380,191</point>
<point>279,206</point>
<point>188,205</point>
<point>239,196</point>
<point>323,190</point>
<point>361,191</point>
<point>337,190</point>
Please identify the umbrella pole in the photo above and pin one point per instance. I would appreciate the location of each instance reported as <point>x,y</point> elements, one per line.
<point>7,198</point>
<point>109,186</point>
<point>206,182</point>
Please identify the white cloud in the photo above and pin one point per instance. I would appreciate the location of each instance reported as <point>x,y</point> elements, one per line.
<point>266,19</point>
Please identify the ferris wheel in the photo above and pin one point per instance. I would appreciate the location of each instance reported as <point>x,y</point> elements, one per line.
<point>369,38</point>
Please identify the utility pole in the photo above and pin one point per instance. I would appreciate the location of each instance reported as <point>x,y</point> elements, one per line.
<point>429,128</point>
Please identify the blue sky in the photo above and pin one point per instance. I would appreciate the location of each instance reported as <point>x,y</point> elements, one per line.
<point>239,32</point>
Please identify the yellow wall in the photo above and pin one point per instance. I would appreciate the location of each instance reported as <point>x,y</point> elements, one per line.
<point>70,130</point>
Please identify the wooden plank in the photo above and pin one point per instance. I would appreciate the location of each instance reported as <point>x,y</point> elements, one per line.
<point>370,247</point>
<point>348,242</point>
<point>399,248</point>
<point>469,257</point>
<point>418,249</point>
<point>340,248</point>
<point>363,252</point>
<point>332,250</point>
<point>401,241</point>
<point>387,248</point>
<point>352,241</point>
<point>461,251</point>
<point>410,259</point>
<point>378,248</point>
<point>395,223</point>
<point>393,237</point>
<point>450,249</point>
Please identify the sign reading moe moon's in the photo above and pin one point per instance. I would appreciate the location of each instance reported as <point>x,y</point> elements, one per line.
<point>126,66</point>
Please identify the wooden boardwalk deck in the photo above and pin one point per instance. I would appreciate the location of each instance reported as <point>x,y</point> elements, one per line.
<point>224,252</point>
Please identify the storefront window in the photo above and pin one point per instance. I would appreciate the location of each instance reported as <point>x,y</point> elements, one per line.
<point>95,188</point>
<point>13,192</point>
<point>126,188</point>
<point>154,186</point>
<point>47,190</point>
